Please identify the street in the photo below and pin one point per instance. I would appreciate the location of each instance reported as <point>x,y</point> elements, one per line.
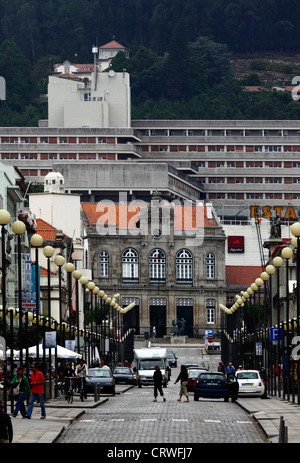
<point>132,417</point>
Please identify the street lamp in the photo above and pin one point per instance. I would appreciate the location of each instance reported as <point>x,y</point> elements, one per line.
<point>19,228</point>
<point>287,253</point>
<point>48,252</point>
<point>59,261</point>
<point>84,281</point>
<point>278,262</point>
<point>77,275</point>
<point>91,285</point>
<point>36,241</point>
<point>69,268</point>
<point>295,230</point>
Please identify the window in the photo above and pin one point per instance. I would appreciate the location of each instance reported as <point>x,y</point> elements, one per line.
<point>157,266</point>
<point>210,265</point>
<point>184,266</point>
<point>130,266</point>
<point>210,311</point>
<point>104,261</point>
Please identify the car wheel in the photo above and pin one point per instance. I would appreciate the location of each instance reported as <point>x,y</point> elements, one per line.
<point>196,398</point>
<point>226,399</point>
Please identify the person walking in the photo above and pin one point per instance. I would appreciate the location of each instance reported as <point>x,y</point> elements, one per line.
<point>183,378</point>
<point>37,384</point>
<point>81,372</point>
<point>230,369</point>
<point>221,367</point>
<point>21,383</point>
<point>6,429</point>
<point>157,377</point>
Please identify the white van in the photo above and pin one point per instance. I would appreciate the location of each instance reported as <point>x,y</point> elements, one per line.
<point>145,360</point>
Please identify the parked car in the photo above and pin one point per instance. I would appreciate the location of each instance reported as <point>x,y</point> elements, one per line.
<point>124,375</point>
<point>192,376</point>
<point>171,359</point>
<point>250,383</point>
<point>211,385</point>
<point>192,365</point>
<point>102,377</point>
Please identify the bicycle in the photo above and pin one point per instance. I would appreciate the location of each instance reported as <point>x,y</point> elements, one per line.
<point>70,391</point>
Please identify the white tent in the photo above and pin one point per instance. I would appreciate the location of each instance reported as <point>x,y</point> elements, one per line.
<point>62,352</point>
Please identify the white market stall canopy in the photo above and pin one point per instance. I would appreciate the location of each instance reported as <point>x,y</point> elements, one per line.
<point>62,352</point>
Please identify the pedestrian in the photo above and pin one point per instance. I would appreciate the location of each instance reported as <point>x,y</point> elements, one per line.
<point>37,384</point>
<point>69,375</point>
<point>154,332</point>
<point>230,369</point>
<point>6,429</point>
<point>21,385</point>
<point>221,367</point>
<point>81,372</point>
<point>183,378</point>
<point>127,364</point>
<point>157,377</point>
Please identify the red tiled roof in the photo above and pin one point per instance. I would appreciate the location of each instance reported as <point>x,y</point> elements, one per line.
<point>124,216</point>
<point>113,44</point>
<point>47,231</point>
<point>242,275</point>
<point>44,272</point>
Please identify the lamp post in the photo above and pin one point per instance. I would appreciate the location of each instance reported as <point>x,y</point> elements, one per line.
<point>48,252</point>
<point>84,281</point>
<point>270,269</point>
<point>69,268</point>
<point>295,230</point>
<point>259,282</point>
<point>278,262</point>
<point>4,220</point>
<point>19,228</point>
<point>91,285</point>
<point>36,242</point>
<point>77,275</point>
<point>59,261</point>
<point>287,253</point>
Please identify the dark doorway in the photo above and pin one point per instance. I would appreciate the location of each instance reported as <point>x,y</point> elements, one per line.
<point>132,319</point>
<point>186,312</point>
<point>158,316</point>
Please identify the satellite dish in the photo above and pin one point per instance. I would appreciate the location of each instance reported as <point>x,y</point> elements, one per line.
<point>111,73</point>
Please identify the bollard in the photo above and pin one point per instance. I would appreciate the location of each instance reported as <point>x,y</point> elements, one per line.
<point>283,432</point>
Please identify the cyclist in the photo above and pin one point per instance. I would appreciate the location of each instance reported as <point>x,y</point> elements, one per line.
<point>68,374</point>
<point>81,372</point>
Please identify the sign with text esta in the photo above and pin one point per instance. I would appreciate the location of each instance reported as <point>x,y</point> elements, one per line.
<point>266,212</point>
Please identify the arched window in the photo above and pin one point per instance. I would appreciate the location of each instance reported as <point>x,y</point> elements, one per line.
<point>104,261</point>
<point>157,266</point>
<point>210,265</point>
<point>130,266</point>
<point>210,311</point>
<point>184,266</point>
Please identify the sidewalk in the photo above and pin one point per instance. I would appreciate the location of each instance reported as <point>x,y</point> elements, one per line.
<point>267,413</point>
<point>59,415</point>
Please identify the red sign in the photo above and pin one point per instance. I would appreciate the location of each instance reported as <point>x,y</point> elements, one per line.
<point>236,244</point>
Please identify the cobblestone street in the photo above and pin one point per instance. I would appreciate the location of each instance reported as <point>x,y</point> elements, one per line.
<point>132,417</point>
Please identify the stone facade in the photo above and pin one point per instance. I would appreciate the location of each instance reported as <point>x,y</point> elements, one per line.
<point>168,274</point>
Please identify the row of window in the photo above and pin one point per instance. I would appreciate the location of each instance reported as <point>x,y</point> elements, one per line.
<point>252,195</point>
<point>220,133</point>
<point>157,265</point>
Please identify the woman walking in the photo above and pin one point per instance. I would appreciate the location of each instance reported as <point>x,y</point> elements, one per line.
<point>183,378</point>
<point>21,382</point>
<point>157,377</point>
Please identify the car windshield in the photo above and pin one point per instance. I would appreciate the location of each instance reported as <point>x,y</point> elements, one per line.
<point>122,370</point>
<point>193,374</point>
<point>171,356</point>
<point>99,373</point>
<point>211,377</point>
<point>247,375</point>
<point>150,364</point>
